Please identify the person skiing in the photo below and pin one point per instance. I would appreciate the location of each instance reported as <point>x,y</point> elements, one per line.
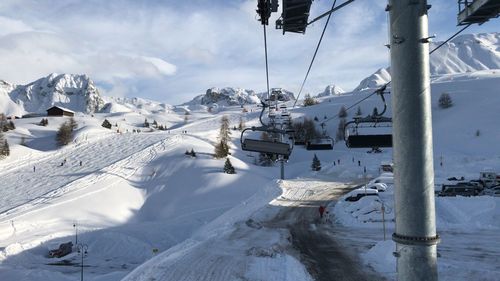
<point>321,211</point>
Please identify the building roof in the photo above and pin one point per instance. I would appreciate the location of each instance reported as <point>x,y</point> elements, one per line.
<point>62,108</point>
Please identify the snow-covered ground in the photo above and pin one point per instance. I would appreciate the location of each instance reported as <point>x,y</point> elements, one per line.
<point>149,212</point>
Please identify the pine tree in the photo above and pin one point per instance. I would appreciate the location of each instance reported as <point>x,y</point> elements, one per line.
<point>64,134</point>
<point>316,164</point>
<point>342,112</point>
<point>340,130</point>
<point>241,124</point>
<point>445,100</point>
<point>155,124</point>
<point>192,153</point>
<point>106,124</point>
<point>308,100</point>
<point>72,123</point>
<point>359,112</point>
<point>222,149</point>
<point>4,147</point>
<point>228,167</point>
<point>146,123</point>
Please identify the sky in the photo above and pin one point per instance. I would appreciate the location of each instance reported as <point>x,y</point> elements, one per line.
<point>171,51</point>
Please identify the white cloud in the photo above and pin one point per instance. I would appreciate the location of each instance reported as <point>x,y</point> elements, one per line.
<point>172,50</point>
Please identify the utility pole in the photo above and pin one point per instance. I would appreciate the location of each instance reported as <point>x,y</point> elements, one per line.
<point>415,232</point>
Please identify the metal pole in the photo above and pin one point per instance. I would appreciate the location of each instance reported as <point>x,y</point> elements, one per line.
<point>415,232</point>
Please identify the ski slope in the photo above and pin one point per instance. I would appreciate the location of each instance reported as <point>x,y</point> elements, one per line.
<point>24,185</point>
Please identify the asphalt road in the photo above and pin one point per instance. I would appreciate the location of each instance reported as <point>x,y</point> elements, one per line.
<point>326,257</point>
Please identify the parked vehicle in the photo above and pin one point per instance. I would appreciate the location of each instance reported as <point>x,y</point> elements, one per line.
<point>380,186</point>
<point>461,189</point>
<point>357,194</point>
<point>62,251</point>
<point>383,179</point>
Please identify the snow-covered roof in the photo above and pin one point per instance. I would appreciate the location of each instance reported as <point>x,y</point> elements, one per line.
<point>63,108</point>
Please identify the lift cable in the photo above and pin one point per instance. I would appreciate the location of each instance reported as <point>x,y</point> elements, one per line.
<point>331,11</point>
<point>267,67</point>
<point>314,56</point>
<point>453,36</point>
<point>382,88</point>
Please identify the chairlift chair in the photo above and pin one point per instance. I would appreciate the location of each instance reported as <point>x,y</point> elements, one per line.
<point>323,143</point>
<point>354,139</point>
<point>265,146</point>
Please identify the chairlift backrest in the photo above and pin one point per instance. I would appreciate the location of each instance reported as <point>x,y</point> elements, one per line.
<point>262,146</point>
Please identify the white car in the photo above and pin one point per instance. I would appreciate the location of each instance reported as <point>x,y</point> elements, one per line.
<point>357,194</point>
<point>382,179</point>
<point>380,186</point>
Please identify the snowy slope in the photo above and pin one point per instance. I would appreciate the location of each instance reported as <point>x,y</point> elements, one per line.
<point>75,92</point>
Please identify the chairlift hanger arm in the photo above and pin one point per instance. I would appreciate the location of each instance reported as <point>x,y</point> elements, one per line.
<point>331,11</point>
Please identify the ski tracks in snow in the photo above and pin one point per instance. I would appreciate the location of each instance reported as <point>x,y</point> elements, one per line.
<point>120,156</point>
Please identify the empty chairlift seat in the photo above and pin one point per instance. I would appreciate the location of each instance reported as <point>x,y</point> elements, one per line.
<point>369,141</point>
<point>294,16</point>
<point>262,146</point>
<point>320,144</point>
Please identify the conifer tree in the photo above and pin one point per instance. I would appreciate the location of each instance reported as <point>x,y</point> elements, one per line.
<point>308,100</point>
<point>359,112</point>
<point>342,112</point>
<point>445,100</point>
<point>222,148</point>
<point>146,123</point>
<point>241,124</point>
<point>316,164</point>
<point>4,147</point>
<point>228,167</point>
<point>72,123</point>
<point>340,130</point>
<point>64,134</point>
<point>192,153</point>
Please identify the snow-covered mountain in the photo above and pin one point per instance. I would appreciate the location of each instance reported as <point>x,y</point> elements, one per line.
<point>465,53</point>
<point>144,106</point>
<point>75,92</point>
<point>226,97</point>
<point>234,96</point>
<point>283,95</point>
<point>330,90</point>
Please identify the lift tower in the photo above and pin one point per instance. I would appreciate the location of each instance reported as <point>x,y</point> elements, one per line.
<point>415,234</point>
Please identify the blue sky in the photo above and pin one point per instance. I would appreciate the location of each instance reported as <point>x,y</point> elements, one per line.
<point>171,51</point>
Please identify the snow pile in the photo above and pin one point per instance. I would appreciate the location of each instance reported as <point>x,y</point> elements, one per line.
<point>75,92</point>
<point>479,212</point>
<point>381,257</point>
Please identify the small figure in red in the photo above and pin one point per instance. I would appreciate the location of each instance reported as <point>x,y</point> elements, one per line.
<point>321,211</point>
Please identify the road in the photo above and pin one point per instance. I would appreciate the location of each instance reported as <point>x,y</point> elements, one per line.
<point>326,256</point>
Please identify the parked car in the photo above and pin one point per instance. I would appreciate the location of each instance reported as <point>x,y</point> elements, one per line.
<point>383,179</point>
<point>461,189</point>
<point>357,194</point>
<point>62,251</point>
<point>380,186</point>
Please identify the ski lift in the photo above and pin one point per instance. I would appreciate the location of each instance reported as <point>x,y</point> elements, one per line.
<point>354,138</point>
<point>266,146</point>
<point>323,143</point>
